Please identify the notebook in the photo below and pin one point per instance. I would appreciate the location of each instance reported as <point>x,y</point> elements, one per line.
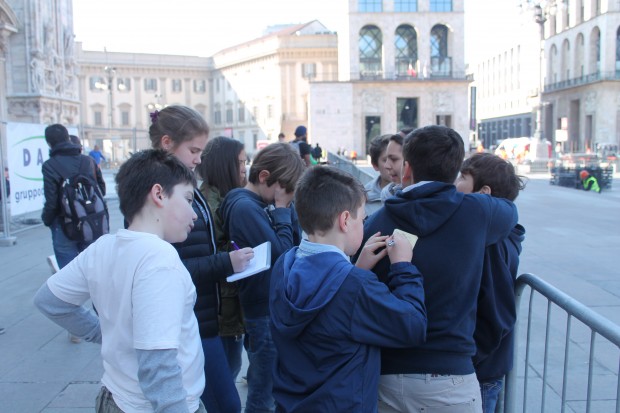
<point>260,263</point>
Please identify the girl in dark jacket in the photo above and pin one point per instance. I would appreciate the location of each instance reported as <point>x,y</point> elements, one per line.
<point>223,169</point>
<point>183,132</point>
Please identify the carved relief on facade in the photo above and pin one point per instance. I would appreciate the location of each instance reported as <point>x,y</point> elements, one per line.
<point>53,68</point>
<point>372,101</point>
<point>443,102</point>
<point>24,108</point>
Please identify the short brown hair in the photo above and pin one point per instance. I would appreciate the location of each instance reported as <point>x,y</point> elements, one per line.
<point>496,173</point>
<point>283,163</point>
<point>322,193</point>
<point>377,146</point>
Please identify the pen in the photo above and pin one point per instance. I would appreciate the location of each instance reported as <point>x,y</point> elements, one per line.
<point>235,246</point>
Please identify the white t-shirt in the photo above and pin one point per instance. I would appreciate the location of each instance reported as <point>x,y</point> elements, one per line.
<point>145,299</point>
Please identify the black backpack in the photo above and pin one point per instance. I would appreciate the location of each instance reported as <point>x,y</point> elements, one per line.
<point>82,208</point>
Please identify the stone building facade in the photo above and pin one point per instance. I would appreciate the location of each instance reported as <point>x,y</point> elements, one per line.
<point>261,88</point>
<point>119,90</point>
<point>582,75</point>
<point>401,65</point>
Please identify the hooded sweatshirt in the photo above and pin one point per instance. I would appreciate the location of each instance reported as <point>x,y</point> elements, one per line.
<point>454,230</point>
<point>496,314</point>
<point>250,222</point>
<point>328,319</point>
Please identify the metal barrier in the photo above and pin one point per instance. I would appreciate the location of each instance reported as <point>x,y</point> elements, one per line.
<point>597,325</point>
<point>346,165</point>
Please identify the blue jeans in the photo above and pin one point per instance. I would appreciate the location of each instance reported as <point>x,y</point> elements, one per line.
<point>490,391</point>
<point>233,348</point>
<point>220,394</point>
<point>261,355</point>
<point>64,248</point>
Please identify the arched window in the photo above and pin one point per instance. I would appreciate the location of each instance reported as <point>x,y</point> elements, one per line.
<point>595,51</point>
<point>553,61</point>
<point>441,64</point>
<point>371,51</point>
<point>578,70</point>
<point>564,70</point>
<point>406,50</point>
<point>618,49</point>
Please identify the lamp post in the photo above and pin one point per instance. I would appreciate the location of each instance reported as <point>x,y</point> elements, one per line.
<point>541,146</point>
<point>110,72</point>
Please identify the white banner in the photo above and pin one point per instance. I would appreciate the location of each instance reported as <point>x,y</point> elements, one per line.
<point>27,150</point>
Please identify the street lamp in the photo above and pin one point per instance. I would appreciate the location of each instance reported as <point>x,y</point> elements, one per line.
<point>156,106</point>
<point>110,72</point>
<point>541,10</point>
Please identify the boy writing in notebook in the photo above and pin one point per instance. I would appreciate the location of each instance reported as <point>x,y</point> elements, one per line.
<point>150,346</point>
<point>328,317</point>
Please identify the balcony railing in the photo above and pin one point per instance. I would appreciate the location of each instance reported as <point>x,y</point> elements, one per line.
<point>381,76</point>
<point>441,66</point>
<point>582,80</point>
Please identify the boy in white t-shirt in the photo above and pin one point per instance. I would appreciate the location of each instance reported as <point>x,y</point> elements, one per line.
<point>152,356</point>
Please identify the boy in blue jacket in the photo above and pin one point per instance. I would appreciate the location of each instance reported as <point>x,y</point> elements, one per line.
<point>454,230</point>
<point>486,173</point>
<point>260,212</point>
<point>328,317</point>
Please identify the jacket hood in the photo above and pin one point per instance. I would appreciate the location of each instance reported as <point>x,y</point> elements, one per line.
<point>435,203</point>
<point>65,148</point>
<point>309,283</point>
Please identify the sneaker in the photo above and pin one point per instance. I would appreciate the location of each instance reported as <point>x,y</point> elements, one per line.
<point>74,339</point>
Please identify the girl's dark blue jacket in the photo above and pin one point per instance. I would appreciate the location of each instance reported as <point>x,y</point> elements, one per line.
<point>328,319</point>
<point>250,222</point>
<point>454,230</point>
<point>496,308</point>
<point>206,267</point>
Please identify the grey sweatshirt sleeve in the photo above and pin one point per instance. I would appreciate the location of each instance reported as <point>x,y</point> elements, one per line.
<point>161,380</point>
<point>76,319</point>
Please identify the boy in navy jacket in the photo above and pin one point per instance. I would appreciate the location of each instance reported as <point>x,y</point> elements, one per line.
<point>260,212</point>
<point>454,230</point>
<point>486,173</point>
<point>328,317</point>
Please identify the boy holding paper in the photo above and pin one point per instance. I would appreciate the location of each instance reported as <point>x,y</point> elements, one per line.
<point>328,317</point>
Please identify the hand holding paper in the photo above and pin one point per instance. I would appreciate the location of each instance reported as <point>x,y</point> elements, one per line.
<point>260,262</point>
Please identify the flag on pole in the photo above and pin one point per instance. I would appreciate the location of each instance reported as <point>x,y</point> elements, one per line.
<point>410,70</point>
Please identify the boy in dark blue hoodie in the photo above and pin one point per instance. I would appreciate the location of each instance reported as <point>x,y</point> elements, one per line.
<point>486,173</point>
<point>454,230</point>
<point>259,212</point>
<point>328,317</point>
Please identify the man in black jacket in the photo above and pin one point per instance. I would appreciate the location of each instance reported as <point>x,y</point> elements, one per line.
<point>69,155</point>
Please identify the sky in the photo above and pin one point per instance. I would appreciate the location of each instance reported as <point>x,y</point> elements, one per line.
<point>203,27</point>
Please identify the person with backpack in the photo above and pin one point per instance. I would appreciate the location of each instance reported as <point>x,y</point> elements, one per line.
<point>301,146</point>
<point>74,188</point>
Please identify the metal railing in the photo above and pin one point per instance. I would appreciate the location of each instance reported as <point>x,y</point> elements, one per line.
<point>582,80</point>
<point>346,165</point>
<point>518,381</point>
<point>383,76</point>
